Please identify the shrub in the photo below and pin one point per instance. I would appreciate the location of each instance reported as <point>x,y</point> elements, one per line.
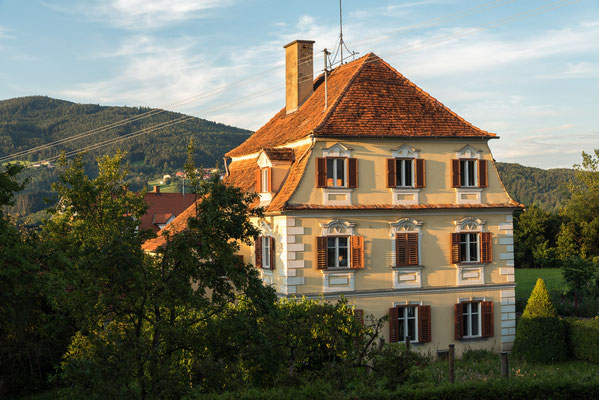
<point>540,334</point>
<point>584,338</point>
<point>393,363</point>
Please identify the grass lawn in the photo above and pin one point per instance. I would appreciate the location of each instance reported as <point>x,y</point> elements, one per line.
<point>526,278</point>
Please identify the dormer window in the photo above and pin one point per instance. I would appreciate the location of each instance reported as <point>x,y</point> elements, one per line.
<point>263,180</point>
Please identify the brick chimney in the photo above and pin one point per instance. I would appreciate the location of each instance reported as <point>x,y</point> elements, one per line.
<point>299,74</point>
<point>156,189</point>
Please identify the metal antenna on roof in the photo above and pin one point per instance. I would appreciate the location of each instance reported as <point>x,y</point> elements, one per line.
<point>341,41</point>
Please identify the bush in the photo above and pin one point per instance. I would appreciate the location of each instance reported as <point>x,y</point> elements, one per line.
<point>393,363</point>
<point>584,338</point>
<point>540,334</point>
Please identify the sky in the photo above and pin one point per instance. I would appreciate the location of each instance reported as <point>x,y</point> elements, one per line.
<point>527,70</point>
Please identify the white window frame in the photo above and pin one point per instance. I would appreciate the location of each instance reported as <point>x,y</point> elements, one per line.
<point>264,180</point>
<point>468,163</point>
<point>336,161</point>
<point>402,176</point>
<point>467,328</point>
<point>337,248</point>
<point>467,257</point>
<point>266,252</point>
<point>403,309</point>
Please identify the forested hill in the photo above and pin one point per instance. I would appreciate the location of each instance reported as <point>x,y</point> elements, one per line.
<point>546,188</point>
<point>27,122</point>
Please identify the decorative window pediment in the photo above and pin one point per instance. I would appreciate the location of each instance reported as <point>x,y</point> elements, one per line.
<point>468,152</point>
<point>265,228</point>
<point>336,150</point>
<point>469,224</point>
<point>405,225</point>
<point>263,160</point>
<point>405,151</point>
<point>337,227</point>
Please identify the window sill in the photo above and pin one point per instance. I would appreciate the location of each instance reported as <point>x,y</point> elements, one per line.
<point>473,339</point>
<point>334,270</point>
<point>405,267</point>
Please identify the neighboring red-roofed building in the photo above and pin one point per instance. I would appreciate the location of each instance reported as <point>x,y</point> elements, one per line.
<point>163,208</point>
<point>374,190</point>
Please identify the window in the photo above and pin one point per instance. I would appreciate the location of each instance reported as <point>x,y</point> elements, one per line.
<point>335,172</point>
<point>403,172</point>
<point>338,252</point>
<point>467,173</point>
<point>473,319</point>
<point>264,180</point>
<point>469,247</point>
<point>406,249</point>
<point>413,321</point>
<point>265,252</point>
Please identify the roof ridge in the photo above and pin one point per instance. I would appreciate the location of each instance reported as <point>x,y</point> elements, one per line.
<point>432,99</point>
<point>333,106</point>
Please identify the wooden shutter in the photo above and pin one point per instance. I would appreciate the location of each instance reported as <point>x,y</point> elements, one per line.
<point>352,172</point>
<point>269,179</point>
<point>359,315</point>
<point>357,252</point>
<point>420,174</point>
<point>456,255</point>
<point>482,173</point>
<point>455,173</point>
<point>458,317</point>
<point>487,318</point>
<point>393,325</point>
<point>391,180</point>
<point>258,250</point>
<point>486,249</point>
<point>273,255</point>
<point>321,252</point>
<point>406,249</point>
<point>258,183</point>
<point>424,324</point>
<point>321,172</point>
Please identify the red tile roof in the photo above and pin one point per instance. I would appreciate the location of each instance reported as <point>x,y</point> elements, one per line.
<point>281,154</point>
<point>366,98</point>
<point>162,204</point>
<point>179,224</point>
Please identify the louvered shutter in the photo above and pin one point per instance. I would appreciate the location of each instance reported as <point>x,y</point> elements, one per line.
<point>391,179</point>
<point>273,254</point>
<point>258,250</point>
<point>269,179</point>
<point>487,318</point>
<point>482,173</point>
<point>393,325</point>
<point>357,252</point>
<point>321,172</point>
<point>456,255</point>
<point>359,315</point>
<point>321,252</point>
<point>420,173</point>
<point>413,249</point>
<point>486,249</point>
<point>424,324</point>
<point>455,173</point>
<point>258,183</point>
<point>401,249</point>
<point>458,318</point>
<point>352,172</point>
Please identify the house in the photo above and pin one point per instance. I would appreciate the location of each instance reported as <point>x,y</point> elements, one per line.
<point>372,189</point>
<point>163,208</point>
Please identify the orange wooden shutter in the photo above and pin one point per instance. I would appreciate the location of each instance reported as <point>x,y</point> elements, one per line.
<point>321,252</point>
<point>391,180</point>
<point>357,252</point>
<point>359,315</point>
<point>487,318</point>
<point>456,255</point>
<point>424,324</point>
<point>420,174</point>
<point>352,172</point>
<point>393,325</point>
<point>269,179</point>
<point>482,173</point>
<point>401,249</point>
<point>321,172</point>
<point>455,173</point>
<point>258,183</point>
<point>258,250</point>
<point>413,249</point>
<point>486,249</point>
<point>273,256</point>
<point>458,317</point>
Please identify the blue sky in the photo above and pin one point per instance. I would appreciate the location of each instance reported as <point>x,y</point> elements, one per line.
<point>534,81</point>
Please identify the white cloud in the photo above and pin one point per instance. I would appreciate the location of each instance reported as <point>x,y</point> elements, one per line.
<point>4,33</point>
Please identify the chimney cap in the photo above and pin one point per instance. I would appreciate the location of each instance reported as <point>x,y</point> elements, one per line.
<point>298,41</point>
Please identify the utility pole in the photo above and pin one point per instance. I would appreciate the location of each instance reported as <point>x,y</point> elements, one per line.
<point>326,72</point>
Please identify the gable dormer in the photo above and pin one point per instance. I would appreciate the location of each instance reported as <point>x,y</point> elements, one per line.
<point>273,165</point>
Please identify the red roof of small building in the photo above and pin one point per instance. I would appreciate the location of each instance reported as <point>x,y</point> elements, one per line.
<point>161,206</point>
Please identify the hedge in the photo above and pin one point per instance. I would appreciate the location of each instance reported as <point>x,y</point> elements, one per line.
<point>497,389</point>
<point>584,338</point>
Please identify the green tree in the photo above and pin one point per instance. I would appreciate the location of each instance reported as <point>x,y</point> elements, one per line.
<point>141,318</point>
<point>566,242</point>
<point>534,238</point>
